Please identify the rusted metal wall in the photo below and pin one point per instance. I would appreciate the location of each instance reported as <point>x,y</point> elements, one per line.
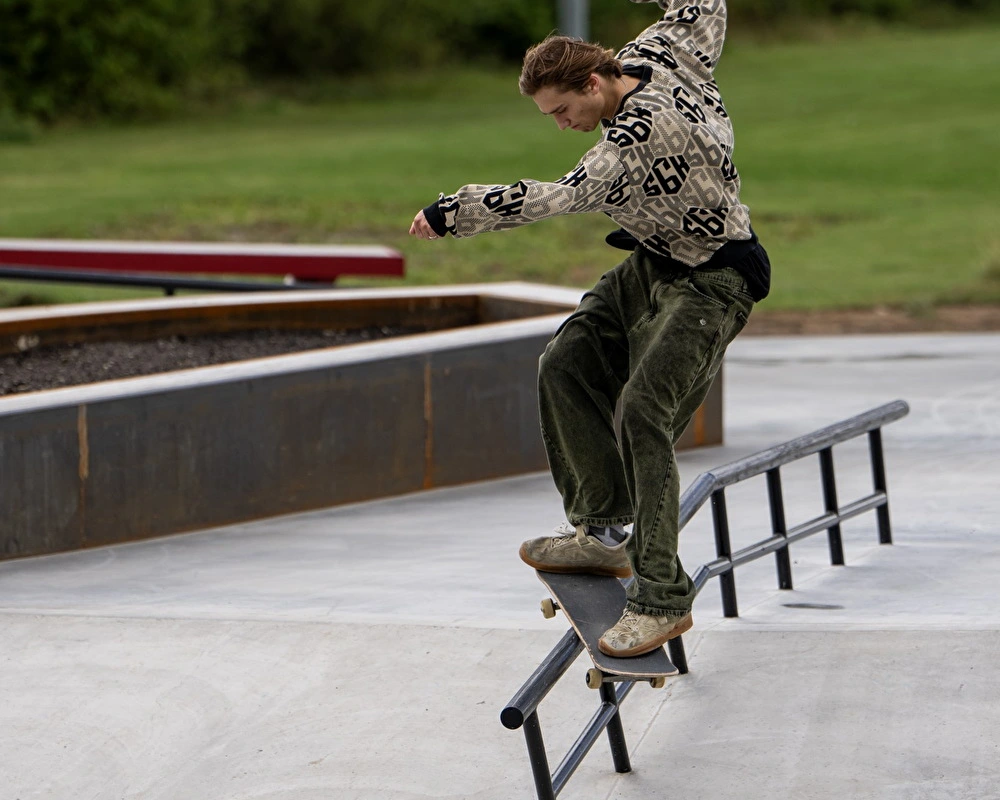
<point>148,463</point>
<point>145,457</point>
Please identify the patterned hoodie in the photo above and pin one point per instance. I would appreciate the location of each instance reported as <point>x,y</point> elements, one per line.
<point>663,167</point>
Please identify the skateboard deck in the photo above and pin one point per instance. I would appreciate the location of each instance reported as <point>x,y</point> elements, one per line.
<point>592,604</point>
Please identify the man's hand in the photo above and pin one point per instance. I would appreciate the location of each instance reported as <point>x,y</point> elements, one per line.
<point>421,228</point>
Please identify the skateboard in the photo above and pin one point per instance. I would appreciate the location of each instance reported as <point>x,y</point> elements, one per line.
<point>592,604</point>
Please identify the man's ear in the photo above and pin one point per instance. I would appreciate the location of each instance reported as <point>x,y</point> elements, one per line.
<point>594,83</point>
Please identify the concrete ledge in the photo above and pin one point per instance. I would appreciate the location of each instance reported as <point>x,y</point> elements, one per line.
<point>143,457</point>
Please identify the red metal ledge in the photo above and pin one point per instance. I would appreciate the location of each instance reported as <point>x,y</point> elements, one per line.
<point>304,262</point>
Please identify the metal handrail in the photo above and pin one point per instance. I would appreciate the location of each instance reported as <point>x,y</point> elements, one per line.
<point>523,704</point>
<point>712,485</point>
<point>707,482</point>
<point>521,711</point>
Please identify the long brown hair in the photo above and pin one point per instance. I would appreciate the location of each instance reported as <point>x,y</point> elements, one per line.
<point>565,63</point>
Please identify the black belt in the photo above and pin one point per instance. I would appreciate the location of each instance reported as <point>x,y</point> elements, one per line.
<point>756,270</point>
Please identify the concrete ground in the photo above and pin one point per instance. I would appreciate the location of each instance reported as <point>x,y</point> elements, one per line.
<point>366,651</point>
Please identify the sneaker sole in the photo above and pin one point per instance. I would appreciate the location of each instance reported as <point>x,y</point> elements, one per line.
<point>641,649</point>
<point>612,572</point>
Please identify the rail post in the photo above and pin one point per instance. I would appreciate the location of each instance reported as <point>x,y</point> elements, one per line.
<point>724,549</point>
<point>880,485</point>
<point>776,501</point>
<point>677,655</point>
<point>536,755</point>
<point>830,500</point>
<point>615,731</point>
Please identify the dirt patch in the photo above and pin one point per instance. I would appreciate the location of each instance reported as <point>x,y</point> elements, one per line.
<point>71,365</point>
<point>833,322</point>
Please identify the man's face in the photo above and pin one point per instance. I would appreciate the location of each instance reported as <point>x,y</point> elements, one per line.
<point>580,111</point>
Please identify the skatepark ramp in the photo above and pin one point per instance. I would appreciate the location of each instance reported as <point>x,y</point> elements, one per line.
<point>521,711</point>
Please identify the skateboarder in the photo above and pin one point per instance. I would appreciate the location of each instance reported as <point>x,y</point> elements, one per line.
<point>652,333</point>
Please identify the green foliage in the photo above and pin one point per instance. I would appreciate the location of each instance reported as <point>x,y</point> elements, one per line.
<point>306,38</point>
<point>115,58</point>
<point>127,59</point>
<point>142,58</point>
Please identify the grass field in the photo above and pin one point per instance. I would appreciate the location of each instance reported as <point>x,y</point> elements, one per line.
<point>869,163</point>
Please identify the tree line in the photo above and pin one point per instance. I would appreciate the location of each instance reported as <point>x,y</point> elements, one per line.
<point>128,59</point>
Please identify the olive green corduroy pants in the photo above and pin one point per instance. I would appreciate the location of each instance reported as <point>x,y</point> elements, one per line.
<point>652,337</point>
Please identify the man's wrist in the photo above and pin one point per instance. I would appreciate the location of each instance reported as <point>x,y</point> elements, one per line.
<point>435,218</point>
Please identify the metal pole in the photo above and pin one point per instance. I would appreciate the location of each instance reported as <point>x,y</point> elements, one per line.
<point>574,16</point>
<point>778,525</point>
<point>677,655</point>
<point>724,549</point>
<point>879,482</point>
<point>830,499</point>
<point>168,283</point>
<point>536,755</point>
<point>616,734</point>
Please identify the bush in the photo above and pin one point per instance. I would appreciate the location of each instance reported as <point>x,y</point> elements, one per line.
<point>303,38</point>
<point>141,58</point>
<point>116,58</point>
<point>136,58</point>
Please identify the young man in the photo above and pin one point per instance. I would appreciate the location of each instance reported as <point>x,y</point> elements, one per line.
<point>652,333</point>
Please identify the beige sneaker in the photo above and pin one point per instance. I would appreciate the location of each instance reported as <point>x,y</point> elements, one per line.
<point>575,551</point>
<point>635,634</point>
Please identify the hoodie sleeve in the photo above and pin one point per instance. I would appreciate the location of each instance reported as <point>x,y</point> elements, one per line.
<point>598,183</point>
<point>688,37</point>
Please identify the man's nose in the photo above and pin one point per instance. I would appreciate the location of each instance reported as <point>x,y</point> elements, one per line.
<point>562,122</point>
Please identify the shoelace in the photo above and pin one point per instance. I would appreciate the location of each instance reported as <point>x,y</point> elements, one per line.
<point>564,529</point>
<point>627,627</point>
<point>629,624</point>
<point>567,535</point>
<point>630,621</point>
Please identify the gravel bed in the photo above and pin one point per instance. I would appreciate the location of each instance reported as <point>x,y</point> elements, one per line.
<point>72,365</point>
<point>53,367</point>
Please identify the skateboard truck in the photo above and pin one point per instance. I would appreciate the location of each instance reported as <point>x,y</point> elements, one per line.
<point>596,677</point>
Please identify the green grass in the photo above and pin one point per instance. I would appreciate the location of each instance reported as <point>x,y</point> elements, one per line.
<point>869,163</point>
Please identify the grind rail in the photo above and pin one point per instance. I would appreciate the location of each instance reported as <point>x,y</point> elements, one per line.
<point>522,710</point>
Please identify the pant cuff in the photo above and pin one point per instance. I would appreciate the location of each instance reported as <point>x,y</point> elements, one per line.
<point>603,521</point>
<point>656,612</point>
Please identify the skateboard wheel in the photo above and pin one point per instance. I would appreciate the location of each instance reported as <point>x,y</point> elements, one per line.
<point>595,678</point>
<point>658,683</point>
<point>549,608</point>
